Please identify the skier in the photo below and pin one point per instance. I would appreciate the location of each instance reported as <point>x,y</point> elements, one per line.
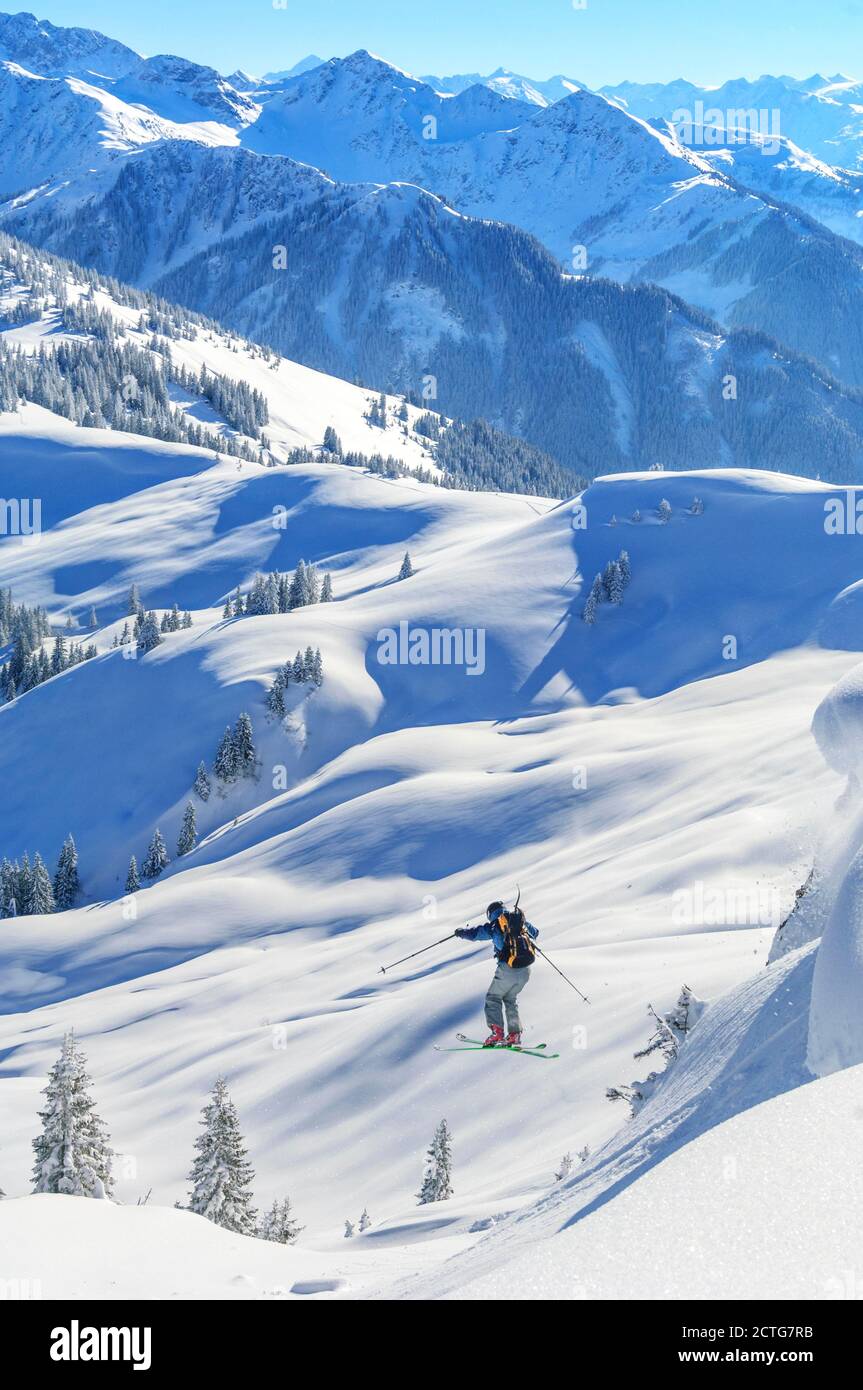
<point>513,938</point>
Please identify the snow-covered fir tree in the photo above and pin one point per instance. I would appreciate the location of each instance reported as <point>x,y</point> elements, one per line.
<point>584,1154</point>
<point>349,1229</point>
<point>40,898</point>
<point>133,880</point>
<point>407,568</point>
<point>66,883</point>
<point>225,766</point>
<point>149,636</point>
<point>313,584</point>
<point>365,1220</point>
<point>327,589</point>
<point>593,600</point>
<point>437,1180</point>
<point>246,757</point>
<point>278,1224</point>
<point>612,582</point>
<point>625,564</point>
<point>276,697</point>
<point>188,837</point>
<point>156,858</point>
<point>221,1175</point>
<point>72,1153</point>
<point>332,444</point>
<point>8,889</point>
<point>202,782</point>
<point>663,511</point>
<point>298,590</point>
<point>564,1168</point>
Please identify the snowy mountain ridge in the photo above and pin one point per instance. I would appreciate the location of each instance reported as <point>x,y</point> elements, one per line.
<point>608,192</point>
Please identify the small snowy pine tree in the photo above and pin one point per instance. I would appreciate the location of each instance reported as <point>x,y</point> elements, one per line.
<point>149,636</point>
<point>365,1220</point>
<point>244,747</point>
<point>41,895</point>
<point>202,782</point>
<point>594,599</point>
<point>437,1180</point>
<point>612,582</point>
<point>156,858</point>
<point>327,589</point>
<point>279,1225</point>
<point>225,766</point>
<point>662,1039</point>
<point>66,884</point>
<point>188,836</point>
<point>276,697</point>
<point>564,1168</point>
<point>407,568</point>
<point>349,1229</point>
<point>298,591</point>
<point>72,1152</point>
<point>686,1012</point>
<point>221,1174</point>
<point>133,881</point>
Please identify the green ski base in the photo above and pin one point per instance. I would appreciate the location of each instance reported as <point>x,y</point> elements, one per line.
<point>478,1047</point>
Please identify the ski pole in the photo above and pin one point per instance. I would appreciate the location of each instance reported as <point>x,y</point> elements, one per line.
<point>384,968</point>
<point>561,974</point>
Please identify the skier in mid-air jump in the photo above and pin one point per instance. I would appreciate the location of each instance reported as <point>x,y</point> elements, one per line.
<point>513,937</point>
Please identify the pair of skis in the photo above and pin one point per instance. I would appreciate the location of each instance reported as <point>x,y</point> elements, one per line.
<point>474,1045</point>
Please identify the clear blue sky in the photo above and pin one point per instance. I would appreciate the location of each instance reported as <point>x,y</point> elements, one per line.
<point>607,41</point>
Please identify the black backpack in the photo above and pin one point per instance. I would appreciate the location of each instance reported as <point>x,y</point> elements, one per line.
<point>518,950</point>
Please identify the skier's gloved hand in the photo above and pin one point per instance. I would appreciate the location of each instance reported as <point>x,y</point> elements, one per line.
<point>461,932</point>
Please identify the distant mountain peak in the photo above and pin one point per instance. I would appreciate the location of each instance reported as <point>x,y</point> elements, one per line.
<point>52,51</point>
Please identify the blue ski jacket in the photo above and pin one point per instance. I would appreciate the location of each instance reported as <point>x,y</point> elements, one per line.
<point>490,931</point>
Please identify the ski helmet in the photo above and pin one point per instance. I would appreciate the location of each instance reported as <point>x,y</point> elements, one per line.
<point>493,911</point>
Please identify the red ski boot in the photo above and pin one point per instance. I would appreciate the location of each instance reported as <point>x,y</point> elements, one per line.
<point>495,1037</point>
<point>512,1040</point>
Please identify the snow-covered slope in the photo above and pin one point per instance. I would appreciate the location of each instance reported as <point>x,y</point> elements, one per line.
<point>760,1206</point>
<point>181,91</point>
<point>617,773</point>
<point>780,169</point>
<point>258,955</point>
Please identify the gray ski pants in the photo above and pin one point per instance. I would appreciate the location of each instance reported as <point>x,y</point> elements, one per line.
<point>503,993</point>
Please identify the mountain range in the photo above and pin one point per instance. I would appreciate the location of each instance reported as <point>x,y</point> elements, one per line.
<point>167,176</point>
